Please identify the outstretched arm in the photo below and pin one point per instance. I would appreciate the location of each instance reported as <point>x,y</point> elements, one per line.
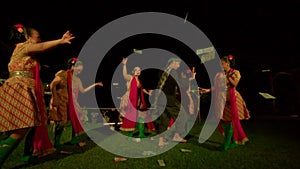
<point>149,92</point>
<point>203,90</point>
<point>84,90</point>
<point>40,47</point>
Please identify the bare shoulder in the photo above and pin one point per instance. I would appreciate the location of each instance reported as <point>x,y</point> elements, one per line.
<point>61,73</point>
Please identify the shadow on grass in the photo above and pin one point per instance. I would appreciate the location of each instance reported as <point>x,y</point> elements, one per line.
<point>74,148</point>
<point>274,144</point>
<point>210,145</point>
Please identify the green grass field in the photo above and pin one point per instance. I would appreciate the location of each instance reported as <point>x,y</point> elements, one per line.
<point>274,144</point>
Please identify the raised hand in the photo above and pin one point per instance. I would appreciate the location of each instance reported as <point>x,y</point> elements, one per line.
<point>99,84</point>
<point>67,37</point>
<point>124,61</point>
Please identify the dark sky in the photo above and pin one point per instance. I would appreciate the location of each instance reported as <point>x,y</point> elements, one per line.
<point>251,30</point>
<point>261,35</point>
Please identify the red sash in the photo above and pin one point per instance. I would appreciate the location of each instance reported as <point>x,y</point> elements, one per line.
<point>77,127</point>
<point>41,142</point>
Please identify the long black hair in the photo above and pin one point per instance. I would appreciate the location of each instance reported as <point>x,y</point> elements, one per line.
<point>17,34</point>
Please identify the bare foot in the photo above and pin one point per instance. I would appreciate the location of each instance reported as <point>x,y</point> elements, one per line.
<point>81,144</point>
<point>162,143</point>
<point>177,138</point>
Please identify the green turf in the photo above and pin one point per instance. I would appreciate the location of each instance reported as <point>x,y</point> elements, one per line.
<point>274,144</point>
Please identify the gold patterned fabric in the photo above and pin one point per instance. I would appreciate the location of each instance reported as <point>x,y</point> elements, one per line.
<point>18,102</point>
<point>243,112</point>
<point>60,99</point>
<point>242,109</point>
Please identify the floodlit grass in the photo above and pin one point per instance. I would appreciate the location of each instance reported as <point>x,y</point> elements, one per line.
<point>274,144</point>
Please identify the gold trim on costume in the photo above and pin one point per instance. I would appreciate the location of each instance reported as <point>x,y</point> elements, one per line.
<point>22,73</point>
